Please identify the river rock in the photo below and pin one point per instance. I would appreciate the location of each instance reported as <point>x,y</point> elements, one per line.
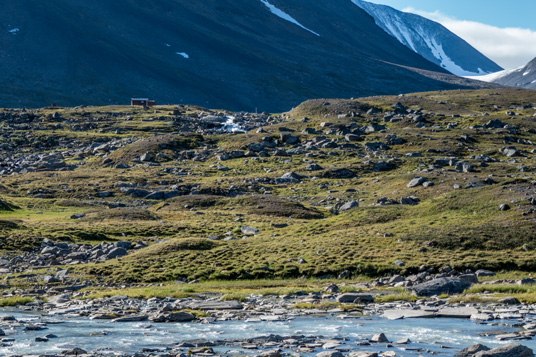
<point>457,312</point>
<point>355,297</point>
<point>329,354</point>
<point>130,318</point>
<point>74,352</point>
<point>398,314</point>
<point>471,350</point>
<point>362,354</point>
<point>379,337</point>
<point>481,317</point>
<point>172,317</point>
<point>450,285</point>
<point>214,305</point>
<point>511,350</point>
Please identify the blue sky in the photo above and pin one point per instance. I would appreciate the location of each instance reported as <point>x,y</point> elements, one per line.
<point>504,31</point>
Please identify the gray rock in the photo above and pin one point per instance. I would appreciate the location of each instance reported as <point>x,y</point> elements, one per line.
<point>483,272</point>
<point>313,167</point>
<point>417,181</point>
<point>526,281</point>
<point>214,305</point>
<point>329,354</point>
<point>49,279</point>
<point>363,354</point>
<point>471,350</point>
<point>349,205</point>
<point>464,166</point>
<point>172,317</point>
<point>509,301</point>
<point>132,318</point>
<point>411,201</point>
<point>398,314</point>
<point>510,151</point>
<point>74,352</point>
<point>355,298</point>
<point>379,337</point>
<point>116,253</point>
<point>504,207</point>
<point>249,230</point>
<point>450,285</point>
<point>511,350</point>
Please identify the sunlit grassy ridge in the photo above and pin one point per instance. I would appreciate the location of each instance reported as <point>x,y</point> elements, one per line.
<point>300,233</point>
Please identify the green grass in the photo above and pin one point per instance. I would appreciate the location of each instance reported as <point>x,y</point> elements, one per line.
<point>394,297</point>
<point>501,289</point>
<point>462,228</point>
<point>14,301</point>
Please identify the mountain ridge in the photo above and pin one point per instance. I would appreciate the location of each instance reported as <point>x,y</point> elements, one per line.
<point>431,40</point>
<point>239,55</point>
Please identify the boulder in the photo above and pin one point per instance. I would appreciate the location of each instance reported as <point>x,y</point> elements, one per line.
<point>449,285</point>
<point>526,281</point>
<point>471,350</point>
<point>172,317</point>
<point>329,354</point>
<point>483,272</point>
<point>363,354</point>
<point>417,181</point>
<point>74,352</point>
<point>354,297</point>
<point>249,230</point>
<point>116,253</point>
<point>511,350</point>
<point>313,167</point>
<point>349,205</point>
<point>379,337</point>
<point>510,151</point>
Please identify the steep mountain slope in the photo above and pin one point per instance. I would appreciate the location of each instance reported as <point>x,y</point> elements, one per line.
<point>241,55</point>
<point>431,40</point>
<point>522,77</point>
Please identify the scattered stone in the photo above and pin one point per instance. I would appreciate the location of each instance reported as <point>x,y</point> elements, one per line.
<point>417,181</point>
<point>471,350</point>
<point>349,205</point>
<point>379,337</point>
<point>249,230</point>
<point>450,285</point>
<point>512,350</point>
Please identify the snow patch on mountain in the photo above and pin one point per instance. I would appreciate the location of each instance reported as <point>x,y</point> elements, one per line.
<point>492,77</point>
<point>278,12</point>
<point>431,40</point>
<point>445,61</point>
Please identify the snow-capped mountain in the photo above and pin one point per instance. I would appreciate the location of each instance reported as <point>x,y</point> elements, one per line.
<point>268,55</point>
<point>431,40</point>
<point>522,77</point>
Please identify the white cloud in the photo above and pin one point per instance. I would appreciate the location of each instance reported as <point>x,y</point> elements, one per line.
<point>508,47</point>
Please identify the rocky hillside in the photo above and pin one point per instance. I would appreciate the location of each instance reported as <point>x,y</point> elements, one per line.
<point>375,185</point>
<point>431,40</point>
<point>238,55</point>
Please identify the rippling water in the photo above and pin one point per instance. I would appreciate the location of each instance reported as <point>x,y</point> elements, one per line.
<point>442,336</point>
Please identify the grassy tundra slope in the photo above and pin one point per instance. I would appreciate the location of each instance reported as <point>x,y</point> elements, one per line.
<point>164,179</point>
